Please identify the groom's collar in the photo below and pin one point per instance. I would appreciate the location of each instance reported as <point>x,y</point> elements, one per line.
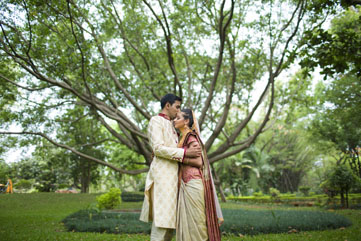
<point>164,116</point>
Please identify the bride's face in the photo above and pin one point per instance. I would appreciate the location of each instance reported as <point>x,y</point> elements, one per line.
<point>179,121</point>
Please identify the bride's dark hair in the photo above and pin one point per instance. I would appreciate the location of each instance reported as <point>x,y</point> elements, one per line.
<point>188,115</point>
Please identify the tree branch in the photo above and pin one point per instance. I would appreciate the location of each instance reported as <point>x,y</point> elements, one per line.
<point>222,35</point>
<point>23,87</point>
<point>167,36</point>
<point>223,119</point>
<point>226,154</point>
<point>130,172</point>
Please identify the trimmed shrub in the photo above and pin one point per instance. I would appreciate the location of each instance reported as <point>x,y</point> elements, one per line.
<point>319,200</point>
<point>132,196</point>
<point>63,186</point>
<point>109,200</point>
<point>258,194</point>
<point>275,194</point>
<point>305,190</point>
<point>237,221</point>
<point>93,221</point>
<point>252,222</point>
<point>23,184</point>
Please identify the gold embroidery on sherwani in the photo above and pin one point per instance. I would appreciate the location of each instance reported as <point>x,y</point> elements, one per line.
<point>162,177</point>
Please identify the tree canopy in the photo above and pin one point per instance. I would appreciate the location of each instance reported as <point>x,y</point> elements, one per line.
<point>113,60</point>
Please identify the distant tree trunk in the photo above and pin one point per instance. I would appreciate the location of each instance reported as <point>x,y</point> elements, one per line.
<point>342,198</point>
<point>218,185</point>
<point>346,199</point>
<point>85,176</point>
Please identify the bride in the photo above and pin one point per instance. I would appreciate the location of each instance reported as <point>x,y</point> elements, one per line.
<point>198,213</point>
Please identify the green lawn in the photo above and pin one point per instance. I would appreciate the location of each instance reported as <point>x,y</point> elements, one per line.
<point>37,217</point>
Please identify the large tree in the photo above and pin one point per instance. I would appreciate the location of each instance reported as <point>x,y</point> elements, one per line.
<point>336,51</point>
<point>116,59</point>
<point>338,119</point>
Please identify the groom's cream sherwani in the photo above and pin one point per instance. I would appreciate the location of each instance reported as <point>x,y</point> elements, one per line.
<point>162,178</point>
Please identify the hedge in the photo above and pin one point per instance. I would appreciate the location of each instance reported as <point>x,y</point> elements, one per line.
<point>293,199</point>
<point>236,221</point>
<point>132,196</point>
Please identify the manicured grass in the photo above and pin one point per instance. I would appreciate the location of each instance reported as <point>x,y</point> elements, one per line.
<point>38,217</point>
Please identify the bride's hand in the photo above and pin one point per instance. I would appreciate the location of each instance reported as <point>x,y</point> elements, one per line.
<point>220,221</point>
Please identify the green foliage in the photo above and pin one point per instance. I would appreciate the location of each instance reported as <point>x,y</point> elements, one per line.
<point>305,190</point>
<point>109,200</point>
<point>132,196</point>
<point>258,194</point>
<point>251,222</point>
<point>63,185</point>
<point>92,221</point>
<point>23,184</point>
<point>275,194</point>
<point>77,67</point>
<point>4,172</point>
<point>337,120</point>
<point>293,200</point>
<point>336,50</point>
<point>45,168</point>
<point>256,222</point>
<point>342,178</point>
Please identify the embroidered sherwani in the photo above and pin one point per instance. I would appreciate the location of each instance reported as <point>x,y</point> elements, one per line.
<point>162,178</point>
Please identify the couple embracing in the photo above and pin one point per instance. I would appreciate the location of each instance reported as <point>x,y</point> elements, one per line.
<point>179,189</point>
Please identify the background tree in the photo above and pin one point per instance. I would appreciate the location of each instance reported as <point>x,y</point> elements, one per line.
<point>338,119</point>
<point>116,58</point>
<point>342,179</point>
<point>5,172</point>
<point>335,50</point>
<point>288,145</point>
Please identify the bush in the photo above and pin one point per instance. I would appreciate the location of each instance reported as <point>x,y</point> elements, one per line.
<point>305,190</point>
<point>237,221</point>
<point>275,194</point>
<point>258,194</point>
<point>319,200</point>
<point>63,186</point>
<point>23,184</point>
<point>132,196</point>
<point>92,221</point>
<point>109,200</point>
<point>253,222</point>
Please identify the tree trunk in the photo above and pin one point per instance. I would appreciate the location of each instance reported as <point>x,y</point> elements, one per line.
<point>346,199</point>
<point>85,177</point>
<point>218,185</point>
<point>342,199</point>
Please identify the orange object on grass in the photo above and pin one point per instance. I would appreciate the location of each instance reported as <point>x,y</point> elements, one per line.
<point>9,188</point>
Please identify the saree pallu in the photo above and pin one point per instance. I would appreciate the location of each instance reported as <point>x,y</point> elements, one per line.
<point>191,215</point>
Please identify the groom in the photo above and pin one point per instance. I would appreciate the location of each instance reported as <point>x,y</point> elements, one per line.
<point>161,187</point>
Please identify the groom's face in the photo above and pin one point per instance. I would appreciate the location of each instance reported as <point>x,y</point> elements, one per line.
<point>174,109</point>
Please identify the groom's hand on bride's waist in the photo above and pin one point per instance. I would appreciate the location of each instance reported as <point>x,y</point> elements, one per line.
<point>193,151</point>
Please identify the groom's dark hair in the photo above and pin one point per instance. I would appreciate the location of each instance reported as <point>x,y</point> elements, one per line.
<point>169,98</point>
